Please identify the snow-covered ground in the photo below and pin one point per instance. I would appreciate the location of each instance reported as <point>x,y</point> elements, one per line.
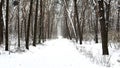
<point>93,51</point>
<point>56,53</point>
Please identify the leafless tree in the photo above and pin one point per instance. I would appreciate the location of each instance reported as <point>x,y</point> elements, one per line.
<point>104,28</point>
<point>1,22</point>
<point>28,26</point>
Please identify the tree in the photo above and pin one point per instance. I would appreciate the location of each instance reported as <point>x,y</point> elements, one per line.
<point>118,19</point>
<point>1,22</point>
<point>104,28</point>
<point>96,23</point>
<point>41,21</point>
<point>7,20</point>
<point>28,25</point>
<point>35,24</point>
<point>77,20</point>
<point>18,27</point>
<point>67,29</point>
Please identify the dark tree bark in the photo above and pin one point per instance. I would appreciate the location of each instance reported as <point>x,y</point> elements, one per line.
<point>18,28</point>
<point>43,32</point>
<point>1,22</point>
<point>7,20</point>
<point>35,24</point>
<point>82,25</point>
<point>40,24</point>
<point>104,31</point>
<point>48,24</point>
<point>118,19</point>
<point>28,25</point>
<point>96,24</point>
<point>77,20</point>
<point>118,22</point>
<point>107,14</point>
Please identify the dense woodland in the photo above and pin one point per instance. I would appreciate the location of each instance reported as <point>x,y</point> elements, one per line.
<point>34,21</point>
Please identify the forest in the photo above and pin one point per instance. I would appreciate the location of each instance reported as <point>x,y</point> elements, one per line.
<point>26,23</point>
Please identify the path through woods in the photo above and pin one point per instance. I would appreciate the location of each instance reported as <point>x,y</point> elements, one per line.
<point>57,53</point>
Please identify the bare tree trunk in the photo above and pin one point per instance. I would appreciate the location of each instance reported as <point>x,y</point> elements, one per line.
<point>7,20</point>
<point>77,20</point>
<point>82,26</point>
<point>118,19</point>
<point>49,24</point>
<point>43,22</point>
<point>1,22</point>
<point>28,25</point>
<point>107,14</point>
<point>66,20</point>
<point>118,22</point>
<point>18,28</point>
<point>104,31</point>
<point>96,24</point>
<point>66,23</point>
<point>35,24</point>
<point>25,31</point>
<point>75,26</point>
<point>40,25</point>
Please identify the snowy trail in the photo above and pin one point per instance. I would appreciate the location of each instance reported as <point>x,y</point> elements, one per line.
<point>60,53</point>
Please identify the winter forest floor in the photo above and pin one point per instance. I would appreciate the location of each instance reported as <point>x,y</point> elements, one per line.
<point>60,53</point>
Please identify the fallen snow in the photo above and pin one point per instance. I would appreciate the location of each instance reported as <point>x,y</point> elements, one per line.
<point>57,53</point>
<point>94,53</point>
